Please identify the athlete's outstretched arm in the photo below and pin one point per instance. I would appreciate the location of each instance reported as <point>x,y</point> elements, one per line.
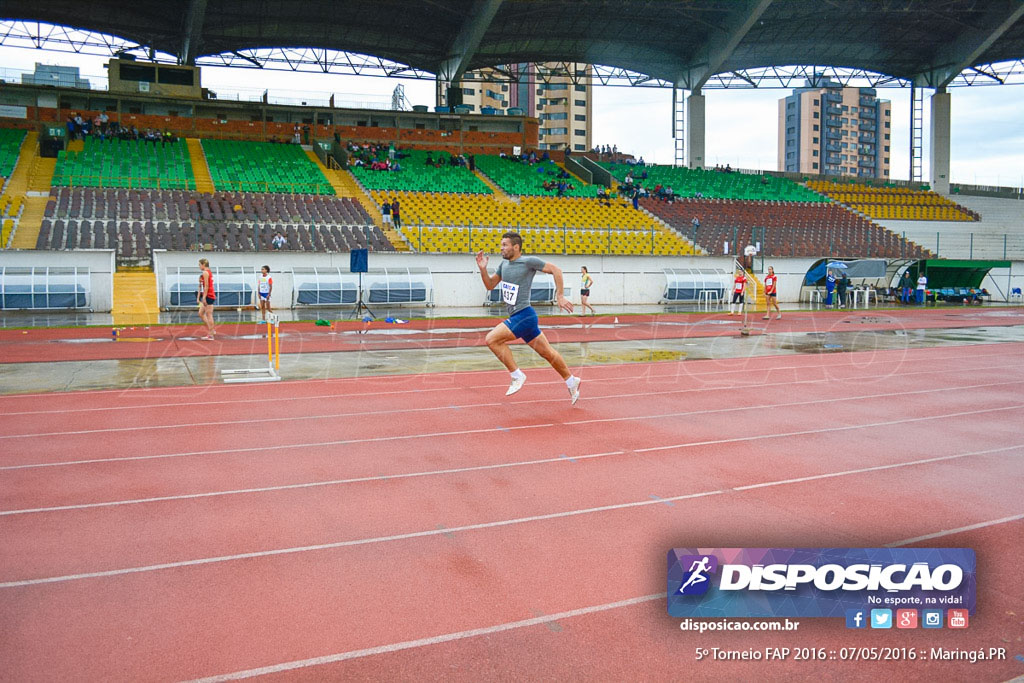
<point>490,281</point>
<point>556,273</point>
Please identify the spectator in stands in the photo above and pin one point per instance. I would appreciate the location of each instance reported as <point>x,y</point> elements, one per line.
<point>696,224</point>
<point>429,160</point>
<point>278,241</point>
<point>72,128</point>
<point>842,284</point>
<point>297,135</point>
<point>636,198</point>
<point>385,212</point>
<point>771,294</point>
<point>104,122</point>
<point>396,216</point>
<point>906,287</point>
<point>629,179</point>
<point>922,286</point>
<point>472,163</point>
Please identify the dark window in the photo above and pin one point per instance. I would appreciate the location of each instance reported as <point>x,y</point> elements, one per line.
<point>790,130</point>
<point>421,126</point>
<point>815,140</point>
<point>886,124</point>
<point>580,117</point>
<point>790,105</point>
<point>886,136</point>
<point>579,148</point>
<point>579,132</point>
<point>814,153</point>
<point>815,103</point>
<point>134,110</point>
<point>172,76</point>
<point>817,115</point>
<point>815,126</point>
<point>887,148</point>
<point>581,88</point>
<point>138,72</point>
<point>815,165</point>
<point>469,91</point>
<point>580,103</point>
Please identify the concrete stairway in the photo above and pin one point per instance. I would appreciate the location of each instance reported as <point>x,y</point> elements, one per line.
<point>204,182</point>
<point>135,297</point>
<point>31,180</point>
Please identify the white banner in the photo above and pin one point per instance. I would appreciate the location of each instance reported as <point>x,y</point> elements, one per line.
<point>12,112</point>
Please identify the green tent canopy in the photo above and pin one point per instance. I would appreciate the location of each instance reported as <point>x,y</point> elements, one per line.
<point>944,273</point>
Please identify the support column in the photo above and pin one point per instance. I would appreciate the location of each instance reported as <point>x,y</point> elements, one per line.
<point>695,128</point>
<point>940,141</point>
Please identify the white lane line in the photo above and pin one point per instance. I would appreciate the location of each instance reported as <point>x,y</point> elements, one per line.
<point>347,544</point>
<point>313,484</point>
<point>745,385</point>
<point>138,393</point>
<point>433,640</point>
<point>335,416</point>
<point>820,431</point>
<point>318,444</point>
<point>765,406</point>
<point>507,626</point>
<point>468,527</point>
<point>958,530</point>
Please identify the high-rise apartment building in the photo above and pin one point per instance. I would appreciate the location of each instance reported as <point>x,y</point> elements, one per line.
<point>543,91</point>
<point>833,130</point>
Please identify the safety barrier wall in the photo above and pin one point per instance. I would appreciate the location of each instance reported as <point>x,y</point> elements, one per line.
<point>91,271</point>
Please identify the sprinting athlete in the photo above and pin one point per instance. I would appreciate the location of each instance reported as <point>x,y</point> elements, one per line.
<point>264,288</point>
<point>207,297</point>
<point>515,276</point>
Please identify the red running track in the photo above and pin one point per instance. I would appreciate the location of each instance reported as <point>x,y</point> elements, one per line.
<point>96,343</point>
<point>427,527</point>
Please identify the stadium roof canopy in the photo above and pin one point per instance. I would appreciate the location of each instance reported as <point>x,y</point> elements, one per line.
<point>688,43</point>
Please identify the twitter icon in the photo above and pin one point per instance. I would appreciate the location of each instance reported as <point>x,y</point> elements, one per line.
<point>881,618</point>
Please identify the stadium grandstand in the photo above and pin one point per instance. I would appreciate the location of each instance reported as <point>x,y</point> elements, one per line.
<point>396,500</point>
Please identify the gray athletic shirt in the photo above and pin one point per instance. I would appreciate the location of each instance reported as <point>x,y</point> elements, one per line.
<point>517,281</point>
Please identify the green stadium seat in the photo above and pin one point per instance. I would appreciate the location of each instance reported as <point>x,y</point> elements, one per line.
<point>416,176</point>
<point>126,163</point>
<point>263,167</point>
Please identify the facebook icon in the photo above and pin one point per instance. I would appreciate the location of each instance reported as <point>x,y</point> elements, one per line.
<point>856,618</point>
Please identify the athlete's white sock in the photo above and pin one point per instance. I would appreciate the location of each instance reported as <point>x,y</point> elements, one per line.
<point>569,382</point>
<point>518,374</point>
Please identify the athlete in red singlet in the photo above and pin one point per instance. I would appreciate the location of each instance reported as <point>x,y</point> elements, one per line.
<point>206,298</point>
<point>771,294</point>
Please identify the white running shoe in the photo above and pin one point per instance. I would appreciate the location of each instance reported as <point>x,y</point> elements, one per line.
<point>574,391</point>
<point>517,384</point>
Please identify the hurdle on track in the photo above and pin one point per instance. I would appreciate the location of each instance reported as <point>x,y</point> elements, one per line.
<point>268,374</point>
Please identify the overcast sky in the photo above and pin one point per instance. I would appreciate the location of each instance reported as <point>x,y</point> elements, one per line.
<point>987,122</point>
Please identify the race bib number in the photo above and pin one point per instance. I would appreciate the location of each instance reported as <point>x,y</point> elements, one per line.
<point>509,293</point>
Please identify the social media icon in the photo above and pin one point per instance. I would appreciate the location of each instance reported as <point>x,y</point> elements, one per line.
<point>856,618</point>
<point>881,618</point>
<point>906,618</point>
<point>931,618</point>
<point>956,618</point>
